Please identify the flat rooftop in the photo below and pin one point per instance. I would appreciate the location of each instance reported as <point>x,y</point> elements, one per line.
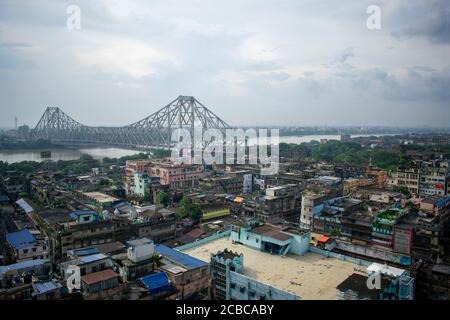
<point>311,276</point>
<point>100,197</point>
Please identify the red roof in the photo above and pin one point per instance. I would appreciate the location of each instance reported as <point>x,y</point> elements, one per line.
<point>277,235</point>
<point>99,276</point>
<point>196,233</point>
<point>324,239</point>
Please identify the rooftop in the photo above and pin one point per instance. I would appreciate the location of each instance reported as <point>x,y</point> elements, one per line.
<point>311,276</point>
<point>21,239</point>
<point>100,197</point>
<point>92,258</point>
<point>99,276</point>
<point>22,265</point>
<point>43,287</point>
<point>180,258</point>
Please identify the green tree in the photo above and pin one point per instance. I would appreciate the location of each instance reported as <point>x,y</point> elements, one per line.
<point>187,208</point>
<point>103,183</point>
<point>23,195</point>
<point>162,198</point>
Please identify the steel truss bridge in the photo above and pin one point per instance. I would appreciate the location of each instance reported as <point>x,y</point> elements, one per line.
<point>152,132</point>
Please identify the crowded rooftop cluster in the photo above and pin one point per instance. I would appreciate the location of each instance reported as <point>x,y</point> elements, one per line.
<point>146,228</point>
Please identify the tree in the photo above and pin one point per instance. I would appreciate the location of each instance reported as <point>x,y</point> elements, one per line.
<point>162,198</point>
<point>103,183</point>
<point>187,208</point>
<point>403,189</point>
<point>23,195</point>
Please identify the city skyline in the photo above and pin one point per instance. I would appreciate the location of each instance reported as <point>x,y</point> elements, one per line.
<point>280,63</point>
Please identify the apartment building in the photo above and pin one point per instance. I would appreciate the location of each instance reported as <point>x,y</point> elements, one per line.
<point>409,177</point>
<point>433,178</point>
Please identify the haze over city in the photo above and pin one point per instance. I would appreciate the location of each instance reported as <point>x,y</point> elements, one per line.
<point>251,62</point>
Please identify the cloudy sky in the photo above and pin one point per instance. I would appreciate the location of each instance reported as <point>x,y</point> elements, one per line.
<point>253,62</point>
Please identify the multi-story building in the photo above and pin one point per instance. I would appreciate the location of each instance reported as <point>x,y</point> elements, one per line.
<point>189,275</point>
<point>70,230</point>
<point>141,181</point>
<point>178,176</point>
<point>24,246</point>
<point>155,223</point>
<point>311,204</point>
<point>230,184</point>
<point>280,202</point>
<point>383,227</point>
<point>409,177</point>
<point>433,179</point>
<point>229,283</point>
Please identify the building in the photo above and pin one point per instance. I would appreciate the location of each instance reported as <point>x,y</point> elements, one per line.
<point>155,223</point>
<point>409,177</point>
<point>229,283</point>
<point>350,185</point>
<point>312,276</point>
<point>279,202</point>
<point>177,176</point>
<point>189,275</point>
<point>270,238</point>
<point>141,181</point>
<point>100,200</point>
<point>328,218</point>
<point>102,285</point>
<point>86,263</point>
<point>433,179</point>
<point>71,230</point>
<point>311,204</point>
<point>139,259</point>
<point>23,246</point>
<point>47,290</point>
<point>383,227</point>
<point>16,273</point>
<point>158,286</point>
<point>230,184</point>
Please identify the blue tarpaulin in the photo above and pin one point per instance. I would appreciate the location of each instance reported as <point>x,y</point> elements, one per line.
<point>156,282</point>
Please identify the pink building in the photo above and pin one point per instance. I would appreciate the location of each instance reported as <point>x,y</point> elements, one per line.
<point>178,176</point>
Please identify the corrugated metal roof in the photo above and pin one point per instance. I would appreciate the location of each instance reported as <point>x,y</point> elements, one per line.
<point>178,257</point>
<point>78,213</point>
<point>43,287</point>
<point>24,205</point>
<point>156,282</point>
<point>92,258</point>
<point>22,265</point>
<point>99,276</point>
<point>85,251</point>
<point>21,239</point>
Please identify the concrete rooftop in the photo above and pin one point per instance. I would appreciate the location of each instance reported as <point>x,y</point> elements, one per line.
<point>312,276</point>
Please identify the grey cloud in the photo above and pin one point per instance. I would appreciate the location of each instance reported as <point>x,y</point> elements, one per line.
<point>428,20</point>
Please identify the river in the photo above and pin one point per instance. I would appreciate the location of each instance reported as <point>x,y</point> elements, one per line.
<point>99,153</point>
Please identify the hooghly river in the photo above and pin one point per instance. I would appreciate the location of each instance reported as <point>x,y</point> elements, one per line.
<point>12,156</point>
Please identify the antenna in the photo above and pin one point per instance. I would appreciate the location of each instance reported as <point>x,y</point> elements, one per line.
<point>15,122</point>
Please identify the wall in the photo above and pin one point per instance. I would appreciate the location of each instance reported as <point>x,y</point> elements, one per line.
<point>259,288</point>
<point>326,253</point>
<point>204,240</point>
<point>299,243</point>
<point>247,238</point>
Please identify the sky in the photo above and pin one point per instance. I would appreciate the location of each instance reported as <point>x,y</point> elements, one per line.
<point>252,62</point>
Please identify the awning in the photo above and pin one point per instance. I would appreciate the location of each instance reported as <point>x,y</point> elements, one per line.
<point>324,239</point>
